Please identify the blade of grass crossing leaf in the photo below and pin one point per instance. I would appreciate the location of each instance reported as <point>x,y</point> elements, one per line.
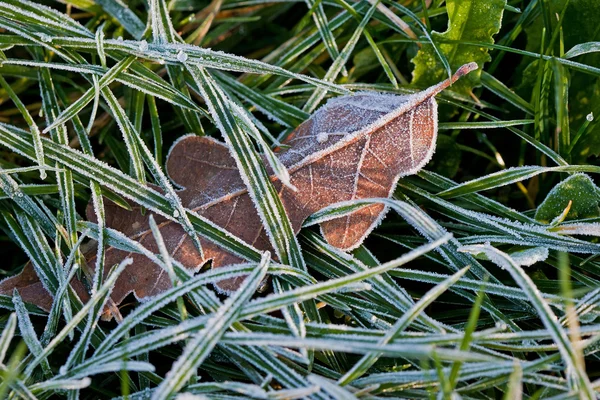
<point>361,367</point>
<point>242,118</point>
<point>136,143</point>
<point>60,303</point>
<point>28,333</point>
<point>548,318</point>
<point>165,336</point>
<point>77,354</point>
<point>167,264</point>
<point>92,169</point>
<point>37,249</point>
<point>59,135</point>
<point>203,342</point>
<point>100,295</point>
<point>138,315</point>
<point>264,196</point>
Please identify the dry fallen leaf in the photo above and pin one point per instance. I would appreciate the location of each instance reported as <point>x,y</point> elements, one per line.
<point>354,147</point>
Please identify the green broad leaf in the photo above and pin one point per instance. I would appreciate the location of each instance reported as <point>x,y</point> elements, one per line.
<point>578,188</point>
<point>469,20</point>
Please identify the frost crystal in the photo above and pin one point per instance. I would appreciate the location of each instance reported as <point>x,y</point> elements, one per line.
<point>45,38</point>
<point>529,257</point>
<point>143,45</point>
<point>181,56</point>
<point>590,117</point>
<point>176,214</point>
<point>322,137</point>
<point>120,38</point>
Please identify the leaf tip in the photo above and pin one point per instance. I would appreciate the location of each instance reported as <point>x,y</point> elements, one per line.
<point>463,70</point>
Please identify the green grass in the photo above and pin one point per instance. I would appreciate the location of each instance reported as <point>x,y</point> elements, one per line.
<point>482,281</point>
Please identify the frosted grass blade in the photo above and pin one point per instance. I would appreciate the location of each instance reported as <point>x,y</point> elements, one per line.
<point>338,63</point>
<point>7,335</point>
<point>361,367</point>
<point>508,176</point>
<point>549,319</point>
<point>89,95</point>
<point>28,333</point>
<point>252,171</point>
<point>77,318</point>
<point>202,343</point>
<point>35,132</point>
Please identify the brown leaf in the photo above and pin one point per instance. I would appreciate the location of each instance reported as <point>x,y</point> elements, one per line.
<point>354,147</point>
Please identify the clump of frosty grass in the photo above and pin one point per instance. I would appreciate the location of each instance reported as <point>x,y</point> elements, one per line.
<point>460,292</point>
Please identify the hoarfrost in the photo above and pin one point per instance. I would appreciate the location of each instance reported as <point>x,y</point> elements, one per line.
<point>322,137</point>
<point>190,396</point>
<point>590,117</point>
<point>353,114</point>
<point>143,45</point>
<point>181,56</point>
<point>529,257</point>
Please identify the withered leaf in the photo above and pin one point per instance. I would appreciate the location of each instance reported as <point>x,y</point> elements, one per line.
<point>354,147</point>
